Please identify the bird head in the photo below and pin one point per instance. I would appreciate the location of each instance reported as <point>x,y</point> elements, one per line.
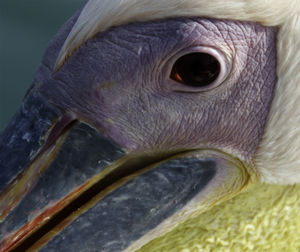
<point>151,116</point>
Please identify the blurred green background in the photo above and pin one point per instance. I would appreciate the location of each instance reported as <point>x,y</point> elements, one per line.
<point>26,28</point>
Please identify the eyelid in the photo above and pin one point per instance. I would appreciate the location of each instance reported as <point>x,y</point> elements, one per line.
<point>223,55</point>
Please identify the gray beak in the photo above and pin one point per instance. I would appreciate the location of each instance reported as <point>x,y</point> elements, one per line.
<point>67,187</point>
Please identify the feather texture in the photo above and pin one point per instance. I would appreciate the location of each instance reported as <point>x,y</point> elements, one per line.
<point>278,158</point>
<point>263,218</point>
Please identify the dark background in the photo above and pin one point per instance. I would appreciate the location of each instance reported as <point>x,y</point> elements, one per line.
<point>26,28</point>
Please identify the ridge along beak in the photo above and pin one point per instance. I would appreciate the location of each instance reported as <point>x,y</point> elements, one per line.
<point>67,187</point>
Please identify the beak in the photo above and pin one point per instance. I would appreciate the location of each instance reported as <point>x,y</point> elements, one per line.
<point>65,185</point>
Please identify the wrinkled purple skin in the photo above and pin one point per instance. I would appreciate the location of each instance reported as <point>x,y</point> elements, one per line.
<point>118,81</point>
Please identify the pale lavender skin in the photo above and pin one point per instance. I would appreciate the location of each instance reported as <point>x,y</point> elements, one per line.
<point>118,81</point>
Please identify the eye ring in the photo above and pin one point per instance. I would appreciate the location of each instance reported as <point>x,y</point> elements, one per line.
<point>198,69</point>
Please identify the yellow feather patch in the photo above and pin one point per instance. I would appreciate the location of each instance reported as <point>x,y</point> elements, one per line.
<point>263,218</point>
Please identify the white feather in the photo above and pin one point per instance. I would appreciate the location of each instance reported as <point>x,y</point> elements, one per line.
<point>99,15</point>
<point>278,158</point>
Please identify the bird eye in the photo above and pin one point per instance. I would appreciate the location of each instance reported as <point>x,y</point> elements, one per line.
<point>196,69</point>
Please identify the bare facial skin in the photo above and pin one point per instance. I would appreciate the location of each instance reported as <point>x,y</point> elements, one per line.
<point>165,107</point>
<point>120,82</point>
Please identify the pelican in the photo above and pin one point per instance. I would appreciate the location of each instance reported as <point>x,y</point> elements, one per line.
<point>159,126</point>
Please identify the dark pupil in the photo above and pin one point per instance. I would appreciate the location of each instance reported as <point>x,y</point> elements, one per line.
<point>196,69</point>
